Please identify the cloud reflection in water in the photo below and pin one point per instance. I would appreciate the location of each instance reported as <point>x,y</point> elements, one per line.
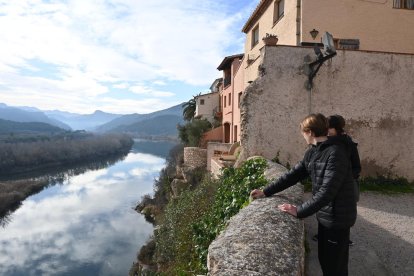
<point>85,227</point>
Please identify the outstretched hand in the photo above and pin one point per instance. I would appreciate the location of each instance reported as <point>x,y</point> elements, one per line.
<point>289,208</point>
<point>256,193</point>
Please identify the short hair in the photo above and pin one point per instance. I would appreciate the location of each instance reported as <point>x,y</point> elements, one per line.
<point>317,123</point>
<point>337,122</point>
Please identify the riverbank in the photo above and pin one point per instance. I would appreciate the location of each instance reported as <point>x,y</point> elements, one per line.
<point>383,236</point>
<point>17,185</point>
<point>23,157</point>
<point>12,193</point>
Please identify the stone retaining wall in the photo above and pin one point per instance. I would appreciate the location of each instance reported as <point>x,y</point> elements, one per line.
<point>261,239</point>
<point>373,91</point>
<point>195,157</point>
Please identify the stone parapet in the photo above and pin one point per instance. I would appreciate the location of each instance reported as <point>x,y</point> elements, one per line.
<point>261,239</point>
<point>195,157</point>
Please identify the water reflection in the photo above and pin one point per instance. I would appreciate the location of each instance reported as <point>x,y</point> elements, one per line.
<point>85,226</point>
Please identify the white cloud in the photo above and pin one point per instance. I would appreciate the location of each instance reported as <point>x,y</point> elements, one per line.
<point>121,85</point>
<point>145,90</point>
<point>94,46</point>
<point>159,82</point>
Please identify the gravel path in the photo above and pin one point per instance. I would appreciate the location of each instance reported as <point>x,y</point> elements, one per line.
<point>383,235</point>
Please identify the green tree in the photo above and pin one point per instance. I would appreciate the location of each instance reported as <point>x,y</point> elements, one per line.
<point>189,108</point>
<point>190,133</point>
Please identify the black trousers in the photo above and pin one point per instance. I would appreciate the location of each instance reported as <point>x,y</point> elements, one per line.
<point>333,250</point>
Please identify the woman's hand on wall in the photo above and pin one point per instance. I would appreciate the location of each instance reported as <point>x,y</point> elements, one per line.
<point>288,208</point>
<point>256,193</point>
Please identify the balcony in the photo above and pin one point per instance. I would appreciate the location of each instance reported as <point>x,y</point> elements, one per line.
<point>227,82</point>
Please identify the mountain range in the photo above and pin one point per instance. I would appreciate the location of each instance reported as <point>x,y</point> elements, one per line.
<point>158,123</point>
<point>7,127</point>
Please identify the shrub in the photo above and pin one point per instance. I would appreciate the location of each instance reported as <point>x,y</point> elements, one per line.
<point>174,244</point>
<point>192,221</point>
<point>232,194</point>
<point>191,133</point>
<point>386,184</point>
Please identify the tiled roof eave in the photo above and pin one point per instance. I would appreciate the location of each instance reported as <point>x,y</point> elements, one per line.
<point>257,13</point>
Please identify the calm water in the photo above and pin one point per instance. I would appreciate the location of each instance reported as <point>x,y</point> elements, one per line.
<point>86,224</point>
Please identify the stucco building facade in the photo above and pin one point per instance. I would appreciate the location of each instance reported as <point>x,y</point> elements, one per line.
<point>376,98</point>
<point>207,105</point>
<point>230,97</point>
<point>372,25</point>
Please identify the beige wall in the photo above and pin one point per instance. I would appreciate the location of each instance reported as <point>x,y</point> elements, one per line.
<point>377,25</point>
<point>285,29</point>
<point>373,91</point>
<point>211,101</point>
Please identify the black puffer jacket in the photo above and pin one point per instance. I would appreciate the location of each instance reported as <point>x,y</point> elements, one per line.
<point>334,199</point>
<point>351,148</point>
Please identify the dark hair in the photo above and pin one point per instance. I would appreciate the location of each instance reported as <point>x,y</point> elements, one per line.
<point>337,122</point>
<point>317,123</point>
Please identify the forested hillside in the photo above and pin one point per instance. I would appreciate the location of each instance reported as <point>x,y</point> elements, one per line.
<point>124,122</point>
<point>7,126</point>
<point>165,125</point>
<point>21,157</point>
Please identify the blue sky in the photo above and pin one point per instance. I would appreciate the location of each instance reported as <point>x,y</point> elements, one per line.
<point>119,56</point>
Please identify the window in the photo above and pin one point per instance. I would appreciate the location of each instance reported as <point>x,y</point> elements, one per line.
<point>229,99</point>
<point>240,94</point>
<point>227,77</point>
<point>201,101</point>
<point>346,44</point>
<point>279,10</point>
<point>404,4</point>
<point>235,134</point>
<point>255,36</point>
<point>224,101</point>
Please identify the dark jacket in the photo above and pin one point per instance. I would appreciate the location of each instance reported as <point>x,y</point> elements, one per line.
<point>329,167</point>
<point>352,150</point>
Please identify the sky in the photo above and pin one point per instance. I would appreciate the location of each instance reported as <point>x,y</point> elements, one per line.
<point>118,56</point>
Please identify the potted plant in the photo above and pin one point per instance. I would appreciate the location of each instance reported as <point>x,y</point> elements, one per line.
<point>270,39</point>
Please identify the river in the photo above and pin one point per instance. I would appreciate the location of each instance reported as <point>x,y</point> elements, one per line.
<point>86,224</point>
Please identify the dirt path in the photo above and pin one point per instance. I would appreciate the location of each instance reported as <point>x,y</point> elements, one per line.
<point>383,237</point>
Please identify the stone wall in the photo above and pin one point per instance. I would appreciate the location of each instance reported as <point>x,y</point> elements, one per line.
<point>195,157</point>
<point>372,90</point>
<point>261,239</point>
<point>213,147</point>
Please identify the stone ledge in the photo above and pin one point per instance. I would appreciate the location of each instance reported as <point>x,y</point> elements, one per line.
<point>260,239</point>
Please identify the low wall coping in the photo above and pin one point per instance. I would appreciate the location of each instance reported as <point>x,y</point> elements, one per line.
<point>261,239</point>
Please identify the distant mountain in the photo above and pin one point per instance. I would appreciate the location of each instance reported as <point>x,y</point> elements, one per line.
<point>164,125</point>
<point>128,120</point>
<point>7,126</point>
<point>79,121</point>
<point>24,115</point>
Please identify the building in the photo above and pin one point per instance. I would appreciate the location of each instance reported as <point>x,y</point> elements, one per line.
<point>372,25</point>
<point>207,106</point>
<point>230,95</point>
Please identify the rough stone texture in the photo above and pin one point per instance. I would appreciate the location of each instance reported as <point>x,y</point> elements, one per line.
<point>195,157</point>
<point>177,186</point>
<point>186,173</point>
<point>372,90</point>
<point>260,239</point>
